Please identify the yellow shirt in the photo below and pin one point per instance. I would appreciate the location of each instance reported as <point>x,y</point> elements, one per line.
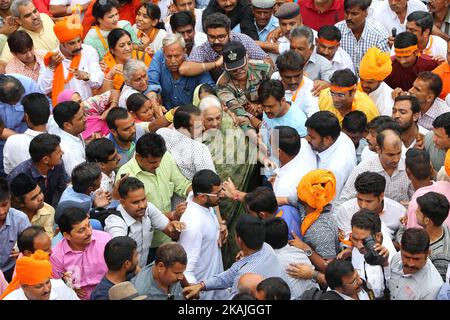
<point>45,218</point>
<point>44,40</point>
<point>362,102</point>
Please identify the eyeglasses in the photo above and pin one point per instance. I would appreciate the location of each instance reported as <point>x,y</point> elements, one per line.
<point>220,37</point>
<point>354,282</point>
<point>209,194</point>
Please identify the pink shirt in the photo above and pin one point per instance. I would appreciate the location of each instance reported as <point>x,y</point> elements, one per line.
<point>88,267</point>
<point>442,187</point>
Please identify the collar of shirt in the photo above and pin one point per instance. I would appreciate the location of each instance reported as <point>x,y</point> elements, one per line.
<point>44,211</point>
<point>32,133</point>
<point>202,209</point>
<point>310,5</point>
<point>34,171</point>
<point>129,220</point>
<point>66,247</point>
<point>436,108</point>
<point>379,167</point>
<point>136,169</point>
<point>325,154</point>
<point>119,149</point>
<point>338,56</point>
<point>69,136</point>
<point>273,23</point>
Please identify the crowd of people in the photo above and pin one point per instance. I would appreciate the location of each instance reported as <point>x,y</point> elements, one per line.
<point>224,149</point>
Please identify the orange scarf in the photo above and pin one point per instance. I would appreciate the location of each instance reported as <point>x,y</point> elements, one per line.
<point>294,97</point>
<point>58,80</point>
<point>317,188</point>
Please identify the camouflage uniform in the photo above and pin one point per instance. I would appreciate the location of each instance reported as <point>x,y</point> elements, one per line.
<point>235,98</point>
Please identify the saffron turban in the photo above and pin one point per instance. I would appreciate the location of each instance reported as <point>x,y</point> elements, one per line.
<point>31,270</point>
<point>317,188</point>
<point>375,65</point>
<point>447,162</point>
<point>68,29</point>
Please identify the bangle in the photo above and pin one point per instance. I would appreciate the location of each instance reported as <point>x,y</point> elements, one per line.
<point>203,286</point>
<point>315,275</point>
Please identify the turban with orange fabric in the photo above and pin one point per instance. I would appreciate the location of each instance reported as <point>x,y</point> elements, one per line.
<point>68,29</point>
<point>447,162</point>
<point>375,65</point>
<point>31,270</point>
<point>317,188</point>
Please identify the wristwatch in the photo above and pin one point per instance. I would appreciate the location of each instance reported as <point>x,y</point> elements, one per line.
<point>308,252</point>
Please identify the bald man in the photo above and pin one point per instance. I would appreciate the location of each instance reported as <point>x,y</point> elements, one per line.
<point>389,164</point>
<point>248,283</point>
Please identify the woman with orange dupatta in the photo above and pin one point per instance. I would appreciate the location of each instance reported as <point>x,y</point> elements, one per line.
<point>150,31</point>
<point>120,51</point>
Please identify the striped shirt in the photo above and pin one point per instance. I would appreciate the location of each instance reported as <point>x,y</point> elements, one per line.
<point>440,252</point>
<point>437,108</point>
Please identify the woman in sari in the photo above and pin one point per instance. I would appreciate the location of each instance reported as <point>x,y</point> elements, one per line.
<point>107,19</point>
<point>150,31</point>
<point>233,156</point>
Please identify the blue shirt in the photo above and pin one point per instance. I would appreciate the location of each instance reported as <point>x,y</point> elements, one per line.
<point>16,221</point>
<point>52,185</point>
<point>13,116</point>
<point>101,290</point>
<point>262,34</point>
<point>173,92</point>
<point>292,217</point>
<point>71,195</point>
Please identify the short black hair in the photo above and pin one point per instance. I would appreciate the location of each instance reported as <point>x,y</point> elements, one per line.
<point>25,241</point>
<point>11,89</point>
<point>151,144</point>
<point>5,192</point>
<point>367,220</point>
<point>405,39</point>
<point>43,145</point>
<point>65,112</point>
<point>115,35</point>
<point>381,136</point>
<point>418,162</point>
<point>331,33</point>
<point>433,80</point>
<point>376,122</point>
<point>355,122</point>
<point>84,175</point>
<point>343,78</point>
<point>135,102</point>
<point>270,88</point>
<point>170,253</point>
<point>325,124</point>
<point>154,13</point>
<point>261,199</point>
<point>37,107</point>
<point>277,233</point>
<point>251,231</point>
<point>70,217</point>
<point>415,105</point>
<point>99,150</point>
<point>415,240</point>
<point>274,288</point>
<point>422,19</point>
<point>129,184</point>
<point>336,270</point>
<point>114,115</point>
<point>119,250</point>
<point>290,60</point>
<point>182,115</point>
<point>443,121</point>
<point>20,42</point>
<point>243,296</point>
<point>204,180</point>
<point>216,20</point>
<point>288,140</point>
<point>181,19</point>
<point>370,183</point>
<point>435,206</point>
<point>100,8</point>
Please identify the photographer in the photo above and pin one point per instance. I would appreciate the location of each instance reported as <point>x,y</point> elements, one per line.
<point>372,252</point>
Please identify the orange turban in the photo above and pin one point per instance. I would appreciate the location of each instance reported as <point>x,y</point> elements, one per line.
<point>375,65</point>
<point>317,188</point>
<point>447,162</point>
<point>31,271</point>
<point>68,29</point>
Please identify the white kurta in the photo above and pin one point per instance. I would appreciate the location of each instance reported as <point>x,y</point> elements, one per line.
<point>383,99</point>
<point>16,148</point>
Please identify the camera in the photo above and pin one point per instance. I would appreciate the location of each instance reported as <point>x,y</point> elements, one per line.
<point>371,256</point>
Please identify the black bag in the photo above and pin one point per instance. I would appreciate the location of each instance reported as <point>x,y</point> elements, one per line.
<point>101,214</point>
<point>317,294</point>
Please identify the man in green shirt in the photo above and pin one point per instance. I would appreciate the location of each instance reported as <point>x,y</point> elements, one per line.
<point>157,169</point>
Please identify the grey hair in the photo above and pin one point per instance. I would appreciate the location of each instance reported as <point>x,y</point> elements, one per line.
<point>15,6</point>
<point>208,102</point>
<point>131,66</point>
<point>172,38</point>
<point>303,32</point>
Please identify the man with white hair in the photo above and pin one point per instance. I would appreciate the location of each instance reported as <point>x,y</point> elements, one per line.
<point>165,79</point>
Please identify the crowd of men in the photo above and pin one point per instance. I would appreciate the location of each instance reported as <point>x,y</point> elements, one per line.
<point>224,149</point>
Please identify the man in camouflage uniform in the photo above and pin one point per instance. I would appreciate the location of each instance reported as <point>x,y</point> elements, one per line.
<point>237,87</point>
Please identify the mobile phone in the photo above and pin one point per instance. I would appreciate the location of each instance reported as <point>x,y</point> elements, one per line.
<point>394,32</point>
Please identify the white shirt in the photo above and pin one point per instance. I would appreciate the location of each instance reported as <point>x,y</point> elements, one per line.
<point>289,175</point>
<point>389,19</point>
<point>383,99</point>
<point>89,63</point>
<point>124,94</point>
<point>16,148</point>
<point>290,254</point>
<point>199,239</point>
<point>362,295</point>
<point>73,148</point>
<point>198,21</point>
<point>374,279</point>
<point>390,216</point>
<point>157,42</point>
<point>304,98</point>
<point>342,60</point>
<point>59,291</point>
<point>140,231</point>
<point>436,46</point>
<point>340,158</point>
